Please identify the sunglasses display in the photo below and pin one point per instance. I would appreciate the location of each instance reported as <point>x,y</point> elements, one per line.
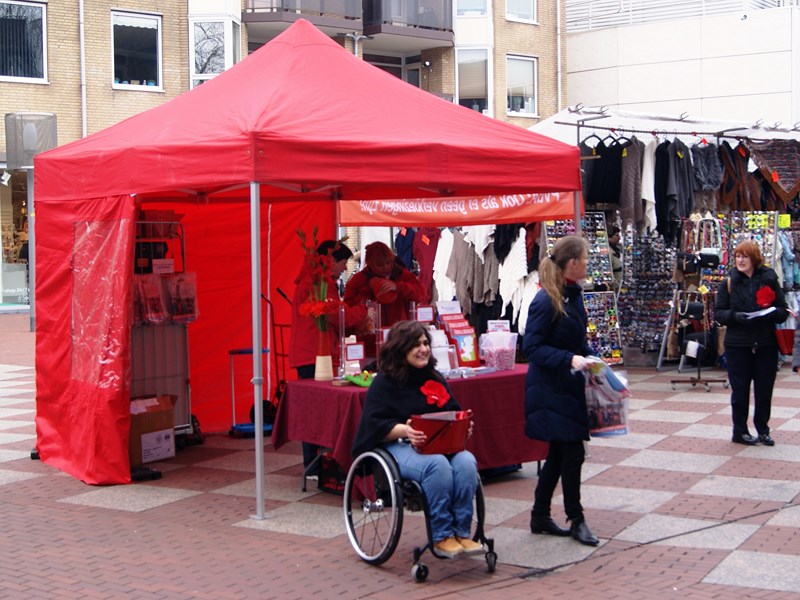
<point>599,275</point>
<point>602,331</point>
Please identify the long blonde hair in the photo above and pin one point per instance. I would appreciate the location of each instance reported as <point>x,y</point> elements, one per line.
<point>551,269</point>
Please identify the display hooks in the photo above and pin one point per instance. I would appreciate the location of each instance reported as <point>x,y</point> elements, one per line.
<point>725,133</point>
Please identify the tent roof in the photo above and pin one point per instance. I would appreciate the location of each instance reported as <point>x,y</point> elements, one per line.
<point>307,119</point>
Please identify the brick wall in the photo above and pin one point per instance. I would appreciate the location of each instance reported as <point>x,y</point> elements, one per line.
<point>104,106</point>
<point>537,41</point>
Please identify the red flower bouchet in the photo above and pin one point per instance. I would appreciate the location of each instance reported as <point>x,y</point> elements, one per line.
<point>320,267</point>
<point>435,392</point>
<point>765,296</point>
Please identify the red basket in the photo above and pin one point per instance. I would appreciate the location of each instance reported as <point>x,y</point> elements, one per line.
<point>446,431</point>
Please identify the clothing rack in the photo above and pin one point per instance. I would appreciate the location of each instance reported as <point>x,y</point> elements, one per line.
<point>725,133</point>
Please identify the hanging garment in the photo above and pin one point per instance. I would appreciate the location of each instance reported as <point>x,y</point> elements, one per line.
<point>461,269</point>
<point>649,184</point>
<point>426,241</point>
<point>787,261</point>
<point>403,245</point>
<point>529,291</point>
<point>445,287</point>
<point>587,166</point>
<point>706,167</point>
<point>667,218</point>
<point>485,282</point>
<point>480,236</point>
<point>532,250</point>
<point>734,190</point>
<point>631,209</point>
<point>512,273</point>
<point>680,181</point>
<point>604,186</point>
<point>504,238</point>
<point>779,163</point>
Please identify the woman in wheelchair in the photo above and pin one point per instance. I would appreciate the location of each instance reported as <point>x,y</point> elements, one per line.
<point>409,384</point>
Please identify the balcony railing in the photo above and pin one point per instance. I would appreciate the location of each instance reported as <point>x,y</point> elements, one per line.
<point>427,14</point>
<point>343,9</point>
<point>595,14</point>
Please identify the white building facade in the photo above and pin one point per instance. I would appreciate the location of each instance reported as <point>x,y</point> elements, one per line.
<point>713,59</point>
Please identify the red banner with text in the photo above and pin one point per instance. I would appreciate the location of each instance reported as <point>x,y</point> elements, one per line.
<point>512,208</point>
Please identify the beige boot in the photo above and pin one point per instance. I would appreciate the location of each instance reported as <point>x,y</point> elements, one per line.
<point>448,547</point>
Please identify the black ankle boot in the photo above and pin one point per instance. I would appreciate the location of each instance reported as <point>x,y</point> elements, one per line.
<point>582,533</point>
<point>548,526</point>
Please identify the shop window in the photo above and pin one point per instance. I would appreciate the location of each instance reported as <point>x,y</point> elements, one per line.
<point>473,77</point>
<point>521,10</point>
<point>136,40</point>
<point>521,86</point>
<point>470,8</point>
<point>23,31</point>
<point>217,46</point>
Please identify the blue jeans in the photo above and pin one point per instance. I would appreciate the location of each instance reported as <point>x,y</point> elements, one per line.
<point>449,484</point>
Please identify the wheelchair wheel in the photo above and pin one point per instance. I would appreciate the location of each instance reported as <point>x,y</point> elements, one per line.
<point>373,506</point>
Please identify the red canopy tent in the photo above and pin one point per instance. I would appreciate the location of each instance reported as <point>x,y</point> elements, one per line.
<point>297,124</point>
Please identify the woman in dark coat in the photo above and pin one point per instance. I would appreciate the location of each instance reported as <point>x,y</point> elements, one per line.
<point>750,344</point>
<point>555,402</point>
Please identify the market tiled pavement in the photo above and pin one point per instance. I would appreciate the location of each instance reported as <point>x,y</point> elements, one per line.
<point>680,510</point>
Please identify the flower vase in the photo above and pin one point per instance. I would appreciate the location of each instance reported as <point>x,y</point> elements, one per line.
<point>323,367</point>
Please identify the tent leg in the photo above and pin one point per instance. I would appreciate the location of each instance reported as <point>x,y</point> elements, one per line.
<point>578,223</point>
<point>258,380</point>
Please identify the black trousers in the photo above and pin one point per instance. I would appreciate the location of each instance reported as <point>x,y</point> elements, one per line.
<point>563,460</point>
<point>759,365</point>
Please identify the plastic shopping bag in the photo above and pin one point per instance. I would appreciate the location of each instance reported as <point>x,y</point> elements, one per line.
<point>607,396</point>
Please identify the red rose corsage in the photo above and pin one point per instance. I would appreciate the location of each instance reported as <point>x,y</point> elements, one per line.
<point>435,393</point>
<point>765,296</point>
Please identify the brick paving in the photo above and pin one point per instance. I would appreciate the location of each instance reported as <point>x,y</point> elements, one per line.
<point>680,510</point>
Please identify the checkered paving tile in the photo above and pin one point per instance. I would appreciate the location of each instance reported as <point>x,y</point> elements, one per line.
<point>678,508</point>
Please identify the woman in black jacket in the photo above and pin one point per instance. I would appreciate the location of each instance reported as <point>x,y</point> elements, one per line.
<point>555,401</point>
<point>750,302</point>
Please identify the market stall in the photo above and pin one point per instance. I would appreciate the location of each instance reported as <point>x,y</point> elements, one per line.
<point>280,130</point>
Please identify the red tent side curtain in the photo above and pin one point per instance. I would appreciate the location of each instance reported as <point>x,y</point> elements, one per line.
<point>84,317</point>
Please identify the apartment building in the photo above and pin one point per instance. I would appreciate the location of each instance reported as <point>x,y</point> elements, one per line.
<point>87,64</point>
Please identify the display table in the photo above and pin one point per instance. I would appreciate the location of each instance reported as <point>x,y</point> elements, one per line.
<point>327,415</point>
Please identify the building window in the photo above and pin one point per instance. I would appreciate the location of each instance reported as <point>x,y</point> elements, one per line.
<point>136,43</point>
<point>217,47</point>
<point>521,10</point>
<point>23,31</point>
<point>521,83</point>
<point>473,77</point>
<point>470,8</point>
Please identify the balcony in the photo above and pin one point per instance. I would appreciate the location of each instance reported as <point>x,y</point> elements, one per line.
<point>429,19</point>
<point>393,26</point>
<point>265,19</point>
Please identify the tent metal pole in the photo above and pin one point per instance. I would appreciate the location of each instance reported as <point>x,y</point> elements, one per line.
<point>258,380</point>
<point>31,252</point>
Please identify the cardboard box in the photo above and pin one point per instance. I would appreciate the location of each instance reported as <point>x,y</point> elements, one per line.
<point>152,435</point>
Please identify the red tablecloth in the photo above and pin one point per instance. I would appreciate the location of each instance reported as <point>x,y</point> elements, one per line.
<point>327,415</point>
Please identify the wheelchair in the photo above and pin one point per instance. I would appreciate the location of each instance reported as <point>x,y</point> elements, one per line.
<point>374,499</point>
